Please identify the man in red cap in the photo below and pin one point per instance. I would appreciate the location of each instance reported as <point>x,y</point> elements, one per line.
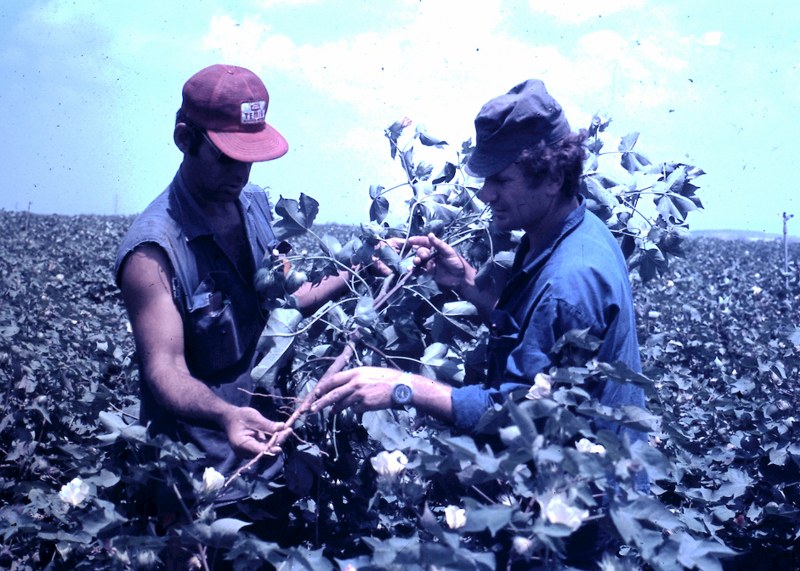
<point>186,270</point>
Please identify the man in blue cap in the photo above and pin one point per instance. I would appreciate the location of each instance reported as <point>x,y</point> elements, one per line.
<point>568,273</point>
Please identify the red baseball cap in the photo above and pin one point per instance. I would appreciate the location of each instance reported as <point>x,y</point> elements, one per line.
<point>230,103</point>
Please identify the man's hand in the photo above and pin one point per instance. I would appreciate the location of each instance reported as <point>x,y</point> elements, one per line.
<point>361,389</point>
<point>437,257</point>
<point>248,431</point>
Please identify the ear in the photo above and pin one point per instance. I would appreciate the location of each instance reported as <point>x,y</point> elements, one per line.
<point>182,135</point>
<point>555,180</point>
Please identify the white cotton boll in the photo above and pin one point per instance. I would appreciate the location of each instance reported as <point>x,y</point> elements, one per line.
<point>522,545</point>
<point>389,464</point>
<point>212,480</point>
<point>541,387</point>
<point>557,510</point>
<point>455,517</point>
<point>75,492</point>
<point>586,445</point>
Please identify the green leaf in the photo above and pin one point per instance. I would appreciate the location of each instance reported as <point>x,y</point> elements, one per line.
<point>633,162</point>
<point>736,483</point>
<point>459,309</point>
<point>407,160</point>
<point>226,526</point>
<point>629,517</point>
<point>389,256</point>
<point>701,554</point>
<point>447,174</point>
<point>375,190</point>
<point>489,517</point>
<point>8,331</point>
<point>600,198</point>
<point>276,344</point>
<point>393,132</point>
<point>330,245</point>
<point>296,216</point>
<point>102,519</point>
<point>523,421</point>
<point>627,142</point>
<point>118,428</point>
<point>650,260</point>
<point>427,140</point>
<point>423,171</point>
<point>379,209</point>
<point>365,313</point>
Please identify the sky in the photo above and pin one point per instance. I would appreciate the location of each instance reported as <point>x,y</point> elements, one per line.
<point>89,90</point>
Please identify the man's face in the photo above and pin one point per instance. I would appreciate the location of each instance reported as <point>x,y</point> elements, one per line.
<point>515,204</point>
<point>212,176</point>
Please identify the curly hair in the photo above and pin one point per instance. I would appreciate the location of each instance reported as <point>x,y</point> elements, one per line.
<point>566,157</point>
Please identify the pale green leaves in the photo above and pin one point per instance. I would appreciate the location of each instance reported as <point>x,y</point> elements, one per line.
<point>276,344</point>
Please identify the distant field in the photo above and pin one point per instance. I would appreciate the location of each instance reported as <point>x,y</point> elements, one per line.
<point>718,335</point>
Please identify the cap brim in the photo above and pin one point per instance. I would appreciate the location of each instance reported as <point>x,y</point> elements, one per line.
<point>481,164</point>
<point>263,145</point>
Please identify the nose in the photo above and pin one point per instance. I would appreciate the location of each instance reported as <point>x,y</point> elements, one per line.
<point>239,168</point>
<point>487,193</point>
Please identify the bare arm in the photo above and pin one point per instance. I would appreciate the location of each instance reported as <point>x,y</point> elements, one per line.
<point>311,297</point>
<point>158,332</point>
<point>370,388</point>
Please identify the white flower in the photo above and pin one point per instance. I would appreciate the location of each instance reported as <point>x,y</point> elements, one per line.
<point>586,445</point>
<point>389,463</point>
<point>558,511</point>
<point>541,387</point>
<point>455,517</point>
<point>212,480</point>
<point>75,492</point>
<point>757,290</point>
<point>521,544</point>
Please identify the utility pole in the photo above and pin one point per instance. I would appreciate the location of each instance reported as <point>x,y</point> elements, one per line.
<point>786,218</point>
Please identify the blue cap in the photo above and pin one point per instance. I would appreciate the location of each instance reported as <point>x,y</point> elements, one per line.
<point>518,120</point>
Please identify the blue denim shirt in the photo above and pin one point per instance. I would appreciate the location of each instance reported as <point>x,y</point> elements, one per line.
<point>579,281</point>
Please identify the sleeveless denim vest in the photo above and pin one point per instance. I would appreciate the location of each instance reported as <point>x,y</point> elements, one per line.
<point>218,304</point>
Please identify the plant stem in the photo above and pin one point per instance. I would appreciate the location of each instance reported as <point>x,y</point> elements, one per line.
<point>305,405</point>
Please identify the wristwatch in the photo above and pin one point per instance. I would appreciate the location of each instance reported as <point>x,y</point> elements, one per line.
<point>402,393</point>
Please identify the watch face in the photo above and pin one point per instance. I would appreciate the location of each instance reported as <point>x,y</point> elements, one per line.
<point>401,394</point>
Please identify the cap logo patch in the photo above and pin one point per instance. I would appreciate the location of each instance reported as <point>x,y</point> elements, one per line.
<point>254,112</point>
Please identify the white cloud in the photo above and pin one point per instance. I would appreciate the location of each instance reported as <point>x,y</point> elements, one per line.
<point>435,73</point>
<point>411,64</point>
<point>272,3</point>
<point>713,38</point>
<point>578,11</point>
<point>625,72</point>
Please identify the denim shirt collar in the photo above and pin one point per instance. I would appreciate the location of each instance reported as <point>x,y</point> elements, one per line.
<point>189,215</point>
